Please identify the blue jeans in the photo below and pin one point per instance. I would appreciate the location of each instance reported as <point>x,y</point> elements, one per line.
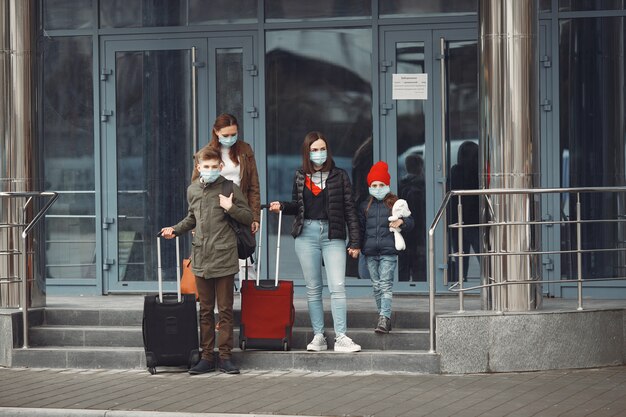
<point>311,246</point>
<point>381,272</point>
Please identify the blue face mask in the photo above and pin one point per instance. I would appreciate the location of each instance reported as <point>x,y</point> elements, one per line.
<point>379,192</point>
<point>209,176</point>
<point>227,141</point>
<point>318,157</point>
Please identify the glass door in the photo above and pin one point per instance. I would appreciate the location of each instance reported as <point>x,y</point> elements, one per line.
<point>160,98</point>
<point>149,116</point>
<point>421,133</point>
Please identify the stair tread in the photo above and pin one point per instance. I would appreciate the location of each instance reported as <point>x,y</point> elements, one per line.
<point>400,330</point>
<point>251,351</point>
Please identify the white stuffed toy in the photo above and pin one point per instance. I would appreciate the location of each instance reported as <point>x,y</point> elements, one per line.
<point>399,210</point>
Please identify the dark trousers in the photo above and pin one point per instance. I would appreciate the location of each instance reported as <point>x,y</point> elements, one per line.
<point>209,291</point>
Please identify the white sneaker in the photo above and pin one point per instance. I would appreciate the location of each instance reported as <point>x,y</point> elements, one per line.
<point>344,344</point>
<point>318,343</point>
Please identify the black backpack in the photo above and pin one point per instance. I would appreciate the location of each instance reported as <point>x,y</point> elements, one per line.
<point>246,244</point>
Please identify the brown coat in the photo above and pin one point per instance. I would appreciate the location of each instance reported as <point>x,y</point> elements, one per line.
<point>249,178</point>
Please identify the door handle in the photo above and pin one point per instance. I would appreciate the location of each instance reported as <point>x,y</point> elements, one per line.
<point>194,97</point>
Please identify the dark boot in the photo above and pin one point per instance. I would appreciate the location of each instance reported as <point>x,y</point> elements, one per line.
<point>202,367</point>
<point>384,325</point>
<point>227,367</point>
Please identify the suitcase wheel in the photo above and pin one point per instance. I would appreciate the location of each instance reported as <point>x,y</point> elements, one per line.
<point>152,370</point>
<point>242,345</point>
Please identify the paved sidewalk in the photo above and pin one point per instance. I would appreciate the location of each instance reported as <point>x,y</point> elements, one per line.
<point>571,393</point>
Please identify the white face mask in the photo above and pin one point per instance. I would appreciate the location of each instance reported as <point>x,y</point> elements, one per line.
<point>210,175</point>
<point>227,141</point>
<point>379,192</point>
<point>318,157</point>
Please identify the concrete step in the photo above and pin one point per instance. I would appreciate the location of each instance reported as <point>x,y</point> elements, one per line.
<point>131,336</point>
<point>121,317</point>
<point>134,358</point>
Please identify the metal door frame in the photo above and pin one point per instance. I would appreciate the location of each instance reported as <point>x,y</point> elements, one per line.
<point>435,176</point>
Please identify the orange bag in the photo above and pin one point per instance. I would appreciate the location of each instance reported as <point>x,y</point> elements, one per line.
<point>188,280</point>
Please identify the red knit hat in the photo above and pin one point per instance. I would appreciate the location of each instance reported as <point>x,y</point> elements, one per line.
<point>379,172</point>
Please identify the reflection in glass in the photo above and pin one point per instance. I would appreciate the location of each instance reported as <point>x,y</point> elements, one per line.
<point>592,85</point>
<point>405,8</point>
<point>67,14</point>
<point>67,138</point>
<point>305,9</point>
<point>229,84</point>
<point>411,137</point>
<point>582,5</point>
<point>153,108</point>
<point>545,5</point>
<point>316,80</point>
<point>222,11</point>
<point>142,13</point>
<point>462,149</point>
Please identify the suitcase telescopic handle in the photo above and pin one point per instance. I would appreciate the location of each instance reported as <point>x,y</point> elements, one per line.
<point>159,268</point>
<point>280,223</point>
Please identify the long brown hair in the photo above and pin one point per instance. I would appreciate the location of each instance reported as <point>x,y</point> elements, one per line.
<point>307,164</point>
<point>389,200</point>
<point>222,121</point>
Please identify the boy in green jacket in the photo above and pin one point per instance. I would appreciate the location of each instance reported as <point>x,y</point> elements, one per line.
<point>214,259</point>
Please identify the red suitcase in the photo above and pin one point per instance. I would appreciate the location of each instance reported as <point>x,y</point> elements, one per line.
<point>267,312</point>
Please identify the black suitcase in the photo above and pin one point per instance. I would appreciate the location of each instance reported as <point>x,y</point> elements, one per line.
<point>170,324</point>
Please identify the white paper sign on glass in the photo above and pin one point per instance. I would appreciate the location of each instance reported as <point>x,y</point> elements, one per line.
<point>409,87</point>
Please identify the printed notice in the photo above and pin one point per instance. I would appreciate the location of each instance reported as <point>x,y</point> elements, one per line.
<point>410,87</point>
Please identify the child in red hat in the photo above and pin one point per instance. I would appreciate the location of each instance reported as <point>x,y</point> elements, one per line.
<point>380,246</point>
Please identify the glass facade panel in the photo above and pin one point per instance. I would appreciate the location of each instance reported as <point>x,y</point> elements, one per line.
<point>202,12</point>
<point>142,13</point>
<point>545,5</point>
<point>67,14</point>
<point>154,145</point>
<point>411,138</point>
<point>67,137</point>
<point>316,80</point>
<point>321,9</point>
<point>406,8</point>
<point>583,5</point>
<point>593,150</point>
<point>462,118</point>
<point>229,84</point>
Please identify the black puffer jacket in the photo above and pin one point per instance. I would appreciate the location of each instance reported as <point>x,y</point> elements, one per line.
<point>377,238</point>
<point>339,206</point>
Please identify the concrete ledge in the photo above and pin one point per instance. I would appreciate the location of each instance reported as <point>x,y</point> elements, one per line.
<point>57,412</point>
<point>530,341</point>
<point>11,331</point>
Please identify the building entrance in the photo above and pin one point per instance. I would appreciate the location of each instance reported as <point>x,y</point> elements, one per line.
<point>159,98</point>
<point>429,138</point>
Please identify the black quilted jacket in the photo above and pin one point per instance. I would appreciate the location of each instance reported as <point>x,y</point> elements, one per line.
<point>339,206</point>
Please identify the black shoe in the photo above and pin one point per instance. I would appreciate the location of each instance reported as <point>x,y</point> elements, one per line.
<point>384,325</point>
<point>227,367</point>
<point>202,367</point>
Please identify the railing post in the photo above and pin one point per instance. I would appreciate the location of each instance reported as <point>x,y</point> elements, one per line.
<point>24,295</point>
<point>459,209</point>
<point>431,288</point>
<point>579,255</point>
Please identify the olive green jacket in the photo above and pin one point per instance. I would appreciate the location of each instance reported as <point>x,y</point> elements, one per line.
<point>214,244</point>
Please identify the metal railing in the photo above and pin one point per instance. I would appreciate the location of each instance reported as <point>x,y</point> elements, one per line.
<point>19,222</point>
<point>459,226</point>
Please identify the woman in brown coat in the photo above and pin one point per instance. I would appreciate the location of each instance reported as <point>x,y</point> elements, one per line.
<point>239,167</point>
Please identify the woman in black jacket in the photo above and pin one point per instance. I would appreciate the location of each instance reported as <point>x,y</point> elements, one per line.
<point>323,205</point>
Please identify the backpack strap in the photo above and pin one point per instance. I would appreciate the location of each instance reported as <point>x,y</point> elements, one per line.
<point>227,188</point>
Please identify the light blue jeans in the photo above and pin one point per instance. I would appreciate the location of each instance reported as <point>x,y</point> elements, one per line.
<point>381,272</point>
<point>311,246</point>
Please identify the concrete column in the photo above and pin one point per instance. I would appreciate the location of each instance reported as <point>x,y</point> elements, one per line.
<point>18,158</point>
<point>509,137</point>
